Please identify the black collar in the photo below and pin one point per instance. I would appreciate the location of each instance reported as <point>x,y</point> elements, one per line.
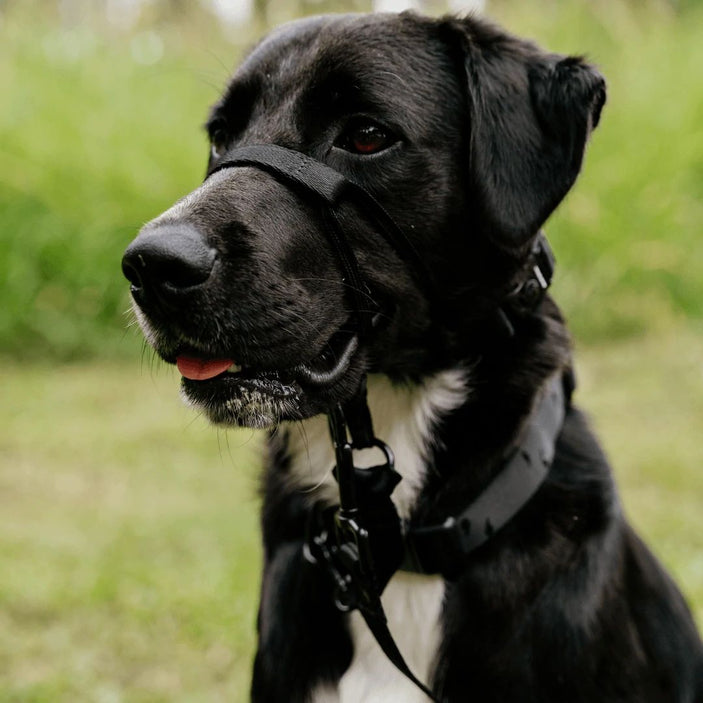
<point>444,547</point>
<point>362,542</point>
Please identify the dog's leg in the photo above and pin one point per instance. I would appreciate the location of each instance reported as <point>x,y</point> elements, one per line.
<point>303,641</point>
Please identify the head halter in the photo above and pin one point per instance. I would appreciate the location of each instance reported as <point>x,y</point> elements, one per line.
<point>363,542</point>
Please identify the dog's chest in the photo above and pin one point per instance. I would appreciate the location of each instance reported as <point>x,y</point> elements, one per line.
<point>406,419</point>
<point>413,605</point>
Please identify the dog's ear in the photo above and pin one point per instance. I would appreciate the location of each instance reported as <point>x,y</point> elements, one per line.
<point>530,116</point>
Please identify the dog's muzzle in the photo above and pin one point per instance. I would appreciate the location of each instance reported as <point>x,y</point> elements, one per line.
<point>174,272</point>
<point>321,183</point>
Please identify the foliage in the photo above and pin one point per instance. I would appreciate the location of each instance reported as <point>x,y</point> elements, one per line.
<point>99,132</point>
<point>628,237</point>
<point>95,140</point>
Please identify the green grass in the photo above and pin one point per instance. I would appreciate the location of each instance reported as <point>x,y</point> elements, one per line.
<point>94,142</point>
<point>129,540</point>
<point>128,544</point>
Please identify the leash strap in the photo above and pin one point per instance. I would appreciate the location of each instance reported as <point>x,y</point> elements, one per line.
<point>377,623</point>
<point>360,542</point>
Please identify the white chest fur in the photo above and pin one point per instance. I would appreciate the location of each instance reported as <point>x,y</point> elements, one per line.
<point>405,418</point>
<point>413,605</point>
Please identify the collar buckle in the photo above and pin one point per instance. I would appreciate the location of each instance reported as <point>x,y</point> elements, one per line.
<point>530,292</point>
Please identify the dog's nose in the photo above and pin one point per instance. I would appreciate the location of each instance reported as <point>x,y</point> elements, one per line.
<point>167,258</point>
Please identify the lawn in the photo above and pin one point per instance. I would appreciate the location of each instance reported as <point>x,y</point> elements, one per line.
<point>129,547</point>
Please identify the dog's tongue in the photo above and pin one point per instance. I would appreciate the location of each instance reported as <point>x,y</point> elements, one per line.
<point>201,369</point>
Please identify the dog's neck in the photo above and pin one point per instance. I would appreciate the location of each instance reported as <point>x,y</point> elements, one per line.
<point>404,416</point>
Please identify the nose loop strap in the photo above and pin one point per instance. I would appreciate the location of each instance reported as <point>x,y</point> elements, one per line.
<point>316,177</point>
<point>330,188</point>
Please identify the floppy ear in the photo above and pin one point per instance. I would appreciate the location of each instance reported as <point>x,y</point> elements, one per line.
<point>530,116</point>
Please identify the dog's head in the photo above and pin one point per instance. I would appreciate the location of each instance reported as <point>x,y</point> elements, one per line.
<point>467,136</point>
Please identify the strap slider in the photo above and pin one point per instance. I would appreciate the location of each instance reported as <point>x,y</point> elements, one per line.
<point>358,585</point>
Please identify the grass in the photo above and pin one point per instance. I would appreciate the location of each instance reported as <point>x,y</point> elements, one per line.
<point>129,543</point>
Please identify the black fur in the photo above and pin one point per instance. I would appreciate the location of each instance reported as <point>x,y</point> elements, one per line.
<point>565,604</point>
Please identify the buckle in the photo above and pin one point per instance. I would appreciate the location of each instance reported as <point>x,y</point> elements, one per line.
<point>529,294</point>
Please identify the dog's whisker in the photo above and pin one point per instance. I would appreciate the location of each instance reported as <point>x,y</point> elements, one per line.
<point>145,352</point>
<point>226,70</point>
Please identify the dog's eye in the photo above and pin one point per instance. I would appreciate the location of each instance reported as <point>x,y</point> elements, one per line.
<point>366,138</point>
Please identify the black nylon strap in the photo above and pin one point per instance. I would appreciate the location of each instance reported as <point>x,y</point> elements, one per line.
<point>314,176</point>
<point>377,623</point>
<point>443,548</point>
<point>356,536</point>
<point>363,304</point>
<point>331,188</point>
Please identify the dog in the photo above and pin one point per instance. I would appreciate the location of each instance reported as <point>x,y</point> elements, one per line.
<point>420,310</point>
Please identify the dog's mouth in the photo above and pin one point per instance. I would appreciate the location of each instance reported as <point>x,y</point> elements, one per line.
<point>232,394</point>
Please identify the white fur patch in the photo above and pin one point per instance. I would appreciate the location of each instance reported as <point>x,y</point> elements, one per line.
<point>413,605</point>
<point>404,417</point>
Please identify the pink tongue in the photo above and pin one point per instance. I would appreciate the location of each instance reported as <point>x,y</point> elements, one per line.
<point>200,369</point>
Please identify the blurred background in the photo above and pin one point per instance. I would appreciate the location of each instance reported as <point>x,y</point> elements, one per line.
<point>129,548</point>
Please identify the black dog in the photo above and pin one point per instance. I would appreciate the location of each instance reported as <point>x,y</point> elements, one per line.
<point>277,287</point>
